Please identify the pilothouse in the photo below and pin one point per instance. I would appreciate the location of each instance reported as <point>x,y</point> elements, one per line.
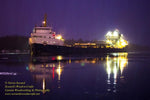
<point>45,35</point>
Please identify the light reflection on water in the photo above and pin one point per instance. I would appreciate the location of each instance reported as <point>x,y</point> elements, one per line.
<point>8,73</point>
<point>51,68</point>
<point>115,66</point>
<point>115,76</point>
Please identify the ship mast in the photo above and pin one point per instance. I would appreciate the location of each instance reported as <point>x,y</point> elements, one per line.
<point>45,20</point>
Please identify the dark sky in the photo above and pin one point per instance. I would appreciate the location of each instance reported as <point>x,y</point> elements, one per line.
<point>86,19</point>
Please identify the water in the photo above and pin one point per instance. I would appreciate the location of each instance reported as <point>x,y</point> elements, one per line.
<point>117,76</point>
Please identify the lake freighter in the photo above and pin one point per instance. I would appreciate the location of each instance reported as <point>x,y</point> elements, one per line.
<point>44,41</point>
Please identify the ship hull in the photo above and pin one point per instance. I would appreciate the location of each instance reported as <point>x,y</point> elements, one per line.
<point>40,49</point>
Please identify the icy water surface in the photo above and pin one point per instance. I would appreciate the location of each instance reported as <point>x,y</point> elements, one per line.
<point>117,76</point>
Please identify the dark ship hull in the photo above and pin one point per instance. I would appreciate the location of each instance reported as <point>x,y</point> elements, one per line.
<point>40,49</point>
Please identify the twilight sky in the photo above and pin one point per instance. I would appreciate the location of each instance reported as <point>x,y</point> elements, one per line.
<point>86,19</point>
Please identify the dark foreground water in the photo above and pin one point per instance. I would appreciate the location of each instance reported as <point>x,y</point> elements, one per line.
<point>117,76</point>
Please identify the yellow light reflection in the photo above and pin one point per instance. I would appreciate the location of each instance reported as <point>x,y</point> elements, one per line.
<point>44,85</point>
<point>123,62</point>
<point>115,74</point>
<point>59,57</point>
<point>114,64</point>
<point>59,71</point>
<point>69,61</point>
